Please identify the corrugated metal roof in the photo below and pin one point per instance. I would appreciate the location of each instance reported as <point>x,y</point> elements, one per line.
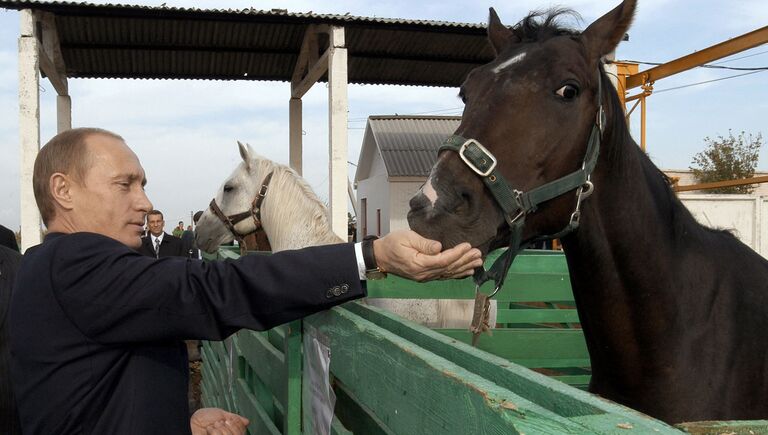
<point>408,144</point>
<point>126,41</point>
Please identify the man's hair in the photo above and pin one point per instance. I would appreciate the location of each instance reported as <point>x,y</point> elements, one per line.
<point>65,153</point>
<point>151,212</point>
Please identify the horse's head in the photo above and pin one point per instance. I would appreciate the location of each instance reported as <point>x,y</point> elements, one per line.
<point>533,108</point>
<point>235,202</point>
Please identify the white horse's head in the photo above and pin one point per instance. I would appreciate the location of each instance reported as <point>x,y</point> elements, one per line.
<point>234,197</point>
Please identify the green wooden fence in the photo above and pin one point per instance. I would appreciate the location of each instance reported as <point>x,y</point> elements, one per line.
<point>391,376</point>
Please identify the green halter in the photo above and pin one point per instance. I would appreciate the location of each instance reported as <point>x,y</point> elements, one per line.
<point>516,204</point>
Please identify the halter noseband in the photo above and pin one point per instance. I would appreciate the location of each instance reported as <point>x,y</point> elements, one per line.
<point>255,213</point>
<point>516,204</point>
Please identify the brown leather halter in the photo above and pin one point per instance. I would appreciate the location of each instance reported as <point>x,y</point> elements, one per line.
<point>255,213</point>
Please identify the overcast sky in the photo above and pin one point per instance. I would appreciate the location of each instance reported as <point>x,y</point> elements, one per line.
<point>184,132</point>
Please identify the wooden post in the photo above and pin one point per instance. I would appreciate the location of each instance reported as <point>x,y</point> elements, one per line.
<point>63,113</point>
<point>642,122</point>
<point>337,113</point>
<point>29,127</point>
<point>295,134</point>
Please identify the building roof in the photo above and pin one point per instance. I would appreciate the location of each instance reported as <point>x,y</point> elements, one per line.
<point>160,42</point>
<point>407,144</point>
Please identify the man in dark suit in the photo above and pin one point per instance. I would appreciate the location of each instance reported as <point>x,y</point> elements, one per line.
<point>8,239</point>
<point>158,243</point>
<point>97,328</point>
<point>9,418</point>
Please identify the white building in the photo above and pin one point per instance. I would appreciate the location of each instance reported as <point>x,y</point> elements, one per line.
<point>395,159</point>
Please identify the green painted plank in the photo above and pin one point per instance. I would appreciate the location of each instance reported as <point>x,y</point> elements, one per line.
<point>519,287</point>
<point>548,393</point>
<point>252,410</point>
<point>582,380</point>
<point>746,427</point>
<point>407,387</point>
<point>338,429</point>
<point>355,415</point>
<point>532,277</point>
<point>537,315</point>
<point>211,372</point>
<point>529,343</point>
<point>267,362</point>
<point>293,369</point>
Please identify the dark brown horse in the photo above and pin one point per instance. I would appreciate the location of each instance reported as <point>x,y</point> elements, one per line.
<point>675,314</point>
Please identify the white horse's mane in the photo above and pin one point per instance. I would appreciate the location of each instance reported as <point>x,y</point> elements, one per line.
<point>292,215</point>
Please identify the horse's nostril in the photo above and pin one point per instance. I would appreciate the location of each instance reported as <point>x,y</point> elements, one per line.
<point>418,202</point>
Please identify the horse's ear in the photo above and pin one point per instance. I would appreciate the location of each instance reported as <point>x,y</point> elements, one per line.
<point>602,36</point>
<point>499,35</point>
<point>245,153</point>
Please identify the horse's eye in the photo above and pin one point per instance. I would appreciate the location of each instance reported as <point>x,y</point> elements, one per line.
<point>228,188</point>
<point>568,92</point>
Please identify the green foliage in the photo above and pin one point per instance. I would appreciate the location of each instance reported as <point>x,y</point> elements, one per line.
<point>728,158</point>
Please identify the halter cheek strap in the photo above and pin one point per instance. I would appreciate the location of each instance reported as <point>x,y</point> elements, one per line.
<point>517,204</point>
<point>255,213</point>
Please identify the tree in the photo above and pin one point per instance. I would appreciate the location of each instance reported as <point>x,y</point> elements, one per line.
<point>728,158</point>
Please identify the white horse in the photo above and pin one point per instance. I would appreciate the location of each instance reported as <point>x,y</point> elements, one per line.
<point>293,217</point>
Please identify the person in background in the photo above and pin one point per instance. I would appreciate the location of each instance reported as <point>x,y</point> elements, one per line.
<point>97,330</point>
<point>9,417</point>
<point>158,243</point>
<point>8,239</point>
<point>179,229</point>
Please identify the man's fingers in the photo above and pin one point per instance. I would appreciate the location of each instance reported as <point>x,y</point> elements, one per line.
<point>447,257</point>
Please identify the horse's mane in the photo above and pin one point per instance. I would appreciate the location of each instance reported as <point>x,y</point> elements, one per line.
<point>617,133</point>
<point>297,200</point>
<point>541,25</point>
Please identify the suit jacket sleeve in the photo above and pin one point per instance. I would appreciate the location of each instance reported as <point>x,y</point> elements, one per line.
<point>115,295</point>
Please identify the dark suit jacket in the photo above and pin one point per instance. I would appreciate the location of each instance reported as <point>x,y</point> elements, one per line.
<point>9,418</point>
<point>170,247</point>
<point>97,329</point>
<point>8,238</point>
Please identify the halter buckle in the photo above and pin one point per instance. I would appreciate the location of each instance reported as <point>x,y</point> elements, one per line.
<point>471,164</point>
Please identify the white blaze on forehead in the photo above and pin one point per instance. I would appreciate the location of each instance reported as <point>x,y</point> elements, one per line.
<point>512,60</point>
<point>429,191</point>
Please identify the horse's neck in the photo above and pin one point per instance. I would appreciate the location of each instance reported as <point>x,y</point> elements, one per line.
<point>292,220</point>
<point>623,262</point>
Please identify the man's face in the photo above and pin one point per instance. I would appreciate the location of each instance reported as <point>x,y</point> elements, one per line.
<point>156,224</point>
<point>111,199</point>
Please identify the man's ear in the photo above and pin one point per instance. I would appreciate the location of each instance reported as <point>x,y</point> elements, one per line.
<point>60,186</point>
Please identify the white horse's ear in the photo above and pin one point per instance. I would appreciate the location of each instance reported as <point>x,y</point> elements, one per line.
<point>245,153</point>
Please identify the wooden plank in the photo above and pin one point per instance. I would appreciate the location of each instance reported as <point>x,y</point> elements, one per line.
<point>533,277</point>
<point>267,362</point>
<point>548,393</point>
<point>399,382</point>
<point>293,370</point>
<point>746,427</point>
<point>529,344</point>
<point>582,380</point>
<point>338,107</point>
<point>252,410</point>
<point>355,416</point>
<point>537,315</point>
<point>519,287</point>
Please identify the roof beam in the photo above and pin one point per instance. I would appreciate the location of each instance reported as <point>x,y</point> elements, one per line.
<point>701,57</point>
<point>51,59</point>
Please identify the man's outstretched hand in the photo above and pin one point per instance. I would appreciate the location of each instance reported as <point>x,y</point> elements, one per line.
<point>407,254</point>
<point>215,421</point>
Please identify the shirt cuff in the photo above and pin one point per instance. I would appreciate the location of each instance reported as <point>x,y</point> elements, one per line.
<point>360,260</point>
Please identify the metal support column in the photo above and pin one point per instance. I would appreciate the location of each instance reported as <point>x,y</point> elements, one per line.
<point>337,113</point>
<point>29,127</point>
